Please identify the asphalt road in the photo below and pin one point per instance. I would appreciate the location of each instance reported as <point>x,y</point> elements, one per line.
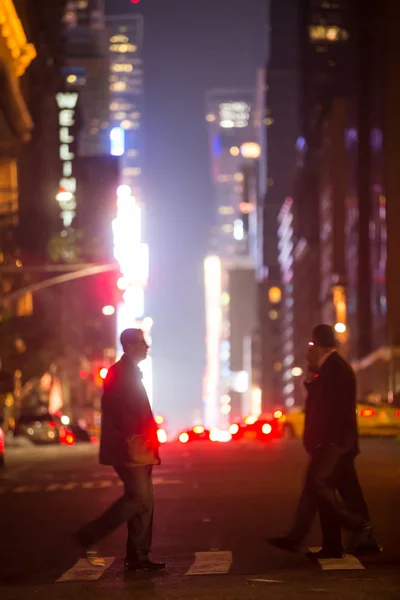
<point>215,504</point>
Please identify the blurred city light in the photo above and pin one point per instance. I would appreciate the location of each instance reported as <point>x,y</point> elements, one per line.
<point>117,141</point>
<point>198,429</point>
<point>124,191</point>
<point>108,310</point>
<point>278,413</point>
<point>297,371</point>
<point>275,295</point>
<point>234,428</point>
<point>159,420</point>
<point>234,151</point>
<point>103,372</point>
<point>250,150</point>
<point>266,429</point>
<point>184,438</point>
<point>340,328</point>
<point>65,420</point>
<point>162,436</point>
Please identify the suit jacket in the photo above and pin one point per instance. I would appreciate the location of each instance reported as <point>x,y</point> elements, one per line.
<point>331,416</point>
<point>126,412</point>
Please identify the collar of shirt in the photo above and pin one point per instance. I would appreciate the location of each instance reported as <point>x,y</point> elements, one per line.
<point>323,360</point>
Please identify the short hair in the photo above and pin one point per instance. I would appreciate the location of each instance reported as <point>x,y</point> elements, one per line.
<point>324,336</point>
<point>131,336</point>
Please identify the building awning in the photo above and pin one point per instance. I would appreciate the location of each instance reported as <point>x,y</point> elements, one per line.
<point>20,52</point>
<point>13,106</point>
<point>15,56</point>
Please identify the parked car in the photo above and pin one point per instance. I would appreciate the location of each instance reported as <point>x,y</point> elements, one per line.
<point>43,429</point>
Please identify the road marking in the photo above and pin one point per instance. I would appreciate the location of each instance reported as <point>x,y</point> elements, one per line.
<point>211,563</point>
<point>348,563</point>
<point>84,571</point>
<point>261,580</point>
<point>56,487</point>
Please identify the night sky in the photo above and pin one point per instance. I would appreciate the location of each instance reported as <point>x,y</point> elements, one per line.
<point>190,46</point>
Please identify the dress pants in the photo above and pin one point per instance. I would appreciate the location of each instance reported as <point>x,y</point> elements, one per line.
<point>330,470</point>
<point>135,507</point>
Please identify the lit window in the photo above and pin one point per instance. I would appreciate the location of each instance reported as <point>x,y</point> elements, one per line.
<point>121,68</point>
<point>135,115</point>
<point>227,228</point>
<point>273,315</point>
<point>268,121</point>
<point>210,118</point>
<point>133,153</point>
<point>120,115</point>
<point>226,210</point>
<point>128,124</point>
<point>94,131</point>
<point>223,178</point>
<point>277,367</point>
<point>118,86</point>
<point>238,176</point>
<point>120,106</point>
<point>122,39</point>
<point>123,48</point>
<point>234,151</point>
<point>132,171</point>
<point>330,33</point>
<point>71,78</point>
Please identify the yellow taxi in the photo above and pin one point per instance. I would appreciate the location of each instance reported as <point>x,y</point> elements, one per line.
<point>373,419</point>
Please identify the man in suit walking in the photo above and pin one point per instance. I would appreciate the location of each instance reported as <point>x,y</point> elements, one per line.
<point>331,439</point>
<point>127,416</point>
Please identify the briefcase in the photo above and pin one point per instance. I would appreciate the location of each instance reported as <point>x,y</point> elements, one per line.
<point>140,452</point>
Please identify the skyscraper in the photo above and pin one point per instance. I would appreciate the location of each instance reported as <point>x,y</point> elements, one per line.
<point>229,270</point>
<point>125,51</point>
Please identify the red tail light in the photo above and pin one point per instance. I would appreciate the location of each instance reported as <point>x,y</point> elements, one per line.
<point>398,414</point>
<point>367,412</point>
<point>70,439</point>
<point>52,425</point>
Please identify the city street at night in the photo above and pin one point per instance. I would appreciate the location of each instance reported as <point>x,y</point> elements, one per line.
<point>215,505</point>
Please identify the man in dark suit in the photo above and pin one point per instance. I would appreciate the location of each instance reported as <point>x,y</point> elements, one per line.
<point>331,439</point>
<point>126,413</point>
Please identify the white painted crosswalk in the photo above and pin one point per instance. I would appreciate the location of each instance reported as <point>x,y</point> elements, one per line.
<point>204,564</point>
<point>211,563</point>
<point>83,570</point>
<point>349,562</point>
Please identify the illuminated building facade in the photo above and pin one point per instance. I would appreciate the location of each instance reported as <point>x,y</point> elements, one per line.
<point>86,73</point>
<point>229,270</point>
<point>310,64</point>
<point>125,51</point>
<point>132,256</point>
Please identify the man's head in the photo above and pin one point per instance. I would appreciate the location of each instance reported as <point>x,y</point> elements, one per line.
<point>134,345</point>
<point>323,341</point>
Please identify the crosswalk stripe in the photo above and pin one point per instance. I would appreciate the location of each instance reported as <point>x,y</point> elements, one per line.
<point>348,563</point>
<point>84,571</point>
<point>211,563</point>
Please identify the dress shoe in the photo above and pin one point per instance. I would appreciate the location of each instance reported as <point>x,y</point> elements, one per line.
<point>143,565</point>
<point>284,543</point>
<point>325,553</point>
<point>91,551</point>
<point>364,542</point>
<point>94,557</point>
